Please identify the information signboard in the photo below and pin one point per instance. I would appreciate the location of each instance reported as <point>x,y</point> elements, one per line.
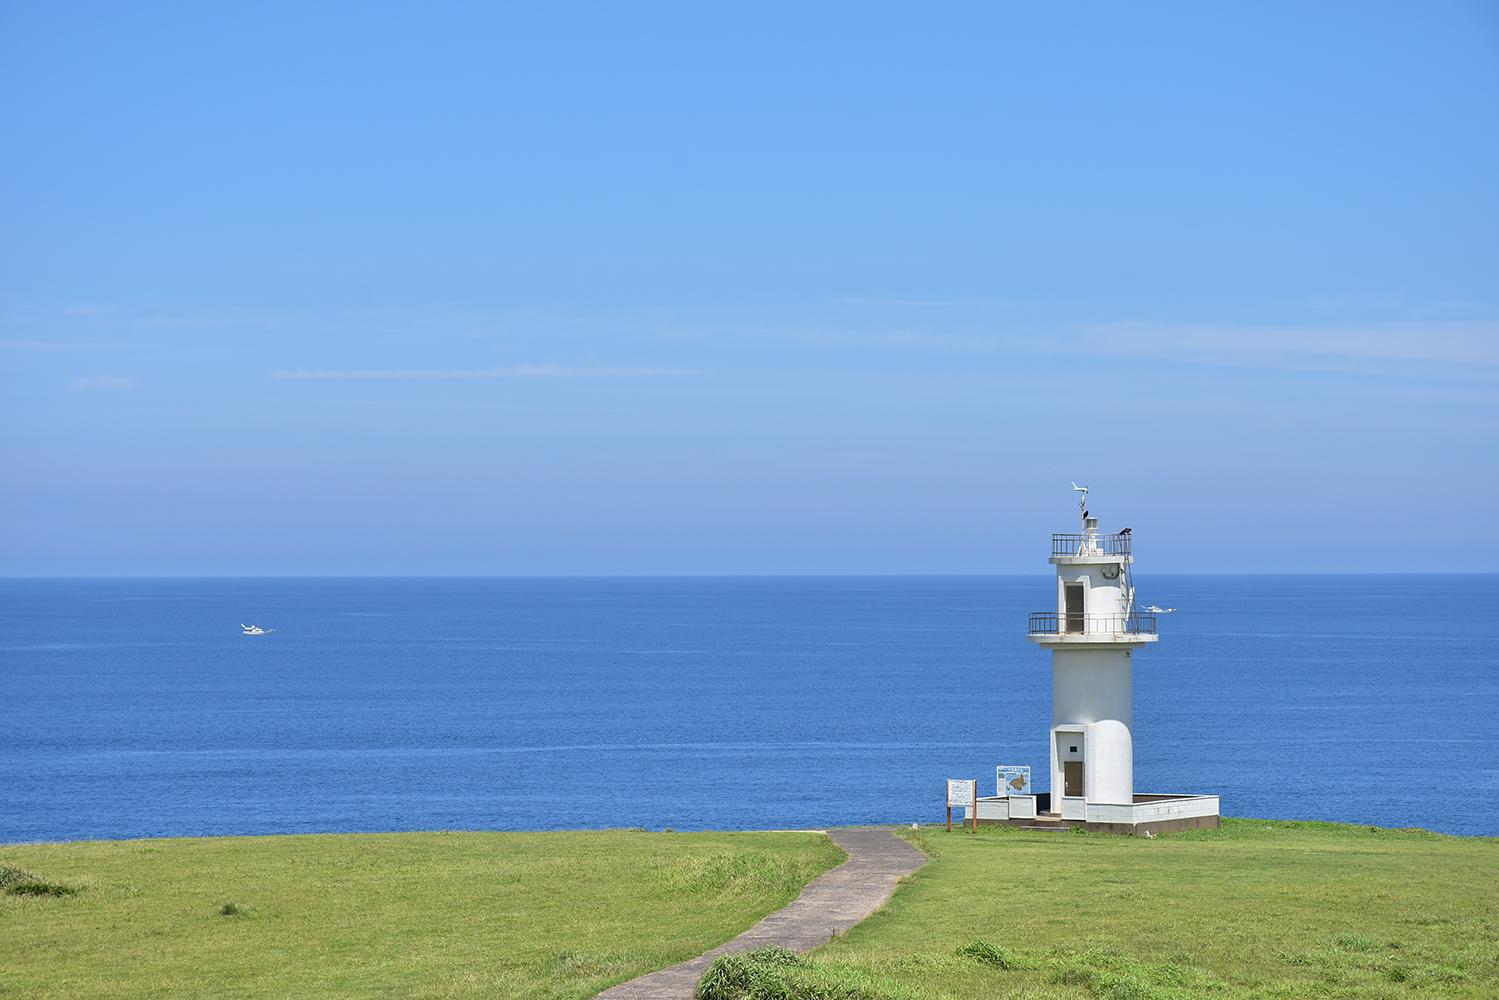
<point>1013,779</point>
<point>963,793</point>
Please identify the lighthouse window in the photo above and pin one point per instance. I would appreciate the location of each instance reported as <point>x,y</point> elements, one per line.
<point>1072,749</point>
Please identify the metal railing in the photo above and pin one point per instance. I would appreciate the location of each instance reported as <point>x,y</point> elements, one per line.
<point>1051,623</point>
<point>1094,545</point>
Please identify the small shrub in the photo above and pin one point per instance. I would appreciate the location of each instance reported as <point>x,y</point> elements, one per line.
<point>232,909</point>
<point>988,954</point>
<point>34,888</point>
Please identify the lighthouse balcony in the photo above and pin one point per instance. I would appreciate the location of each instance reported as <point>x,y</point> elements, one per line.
<point>1051,627</point>
<point>1090,547</point>
<point>1090,543</point>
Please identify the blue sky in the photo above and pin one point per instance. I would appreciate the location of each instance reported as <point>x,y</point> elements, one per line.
<point>678,288</point>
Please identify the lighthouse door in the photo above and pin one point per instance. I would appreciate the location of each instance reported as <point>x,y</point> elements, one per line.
<point>1075,620</point>
<point>1072,778</point>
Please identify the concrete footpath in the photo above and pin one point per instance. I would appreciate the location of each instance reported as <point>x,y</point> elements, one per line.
<point>829,905</point>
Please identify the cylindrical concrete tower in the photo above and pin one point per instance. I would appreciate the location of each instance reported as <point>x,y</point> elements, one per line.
<point>1092,636</point>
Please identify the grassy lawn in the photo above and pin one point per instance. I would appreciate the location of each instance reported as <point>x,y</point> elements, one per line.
<point>538,915</point>
<point>1255,909</point>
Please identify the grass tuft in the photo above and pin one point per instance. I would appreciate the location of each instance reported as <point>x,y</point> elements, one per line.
<point>778,974</point>
<point>755,975</point>
<point>36,888</point>
<point>989,954</point>
<point>15,876</point>
<point>1357,942</point>
<point>233,909</point>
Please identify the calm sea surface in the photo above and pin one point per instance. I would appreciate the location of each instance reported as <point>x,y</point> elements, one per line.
<point>136,708</point>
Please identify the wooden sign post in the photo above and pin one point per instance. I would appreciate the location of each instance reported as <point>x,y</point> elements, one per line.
<point>963,792</point>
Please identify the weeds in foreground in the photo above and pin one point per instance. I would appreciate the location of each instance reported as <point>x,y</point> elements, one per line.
<point>778,974</point>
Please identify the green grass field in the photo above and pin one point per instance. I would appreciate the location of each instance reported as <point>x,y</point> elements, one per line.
<point>543,915</point>
<point>1254,909</point>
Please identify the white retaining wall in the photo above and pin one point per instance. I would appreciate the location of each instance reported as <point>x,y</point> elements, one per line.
<point>1186,807</point>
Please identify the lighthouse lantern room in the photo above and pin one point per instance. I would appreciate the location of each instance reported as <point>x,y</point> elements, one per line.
<point>1093,635</point>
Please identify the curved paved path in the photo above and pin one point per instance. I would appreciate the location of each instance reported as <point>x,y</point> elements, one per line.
<point>829,905</point>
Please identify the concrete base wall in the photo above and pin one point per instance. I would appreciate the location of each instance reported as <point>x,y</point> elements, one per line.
<point>1147,814</point>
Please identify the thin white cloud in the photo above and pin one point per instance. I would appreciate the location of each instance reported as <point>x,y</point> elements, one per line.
<point>1314,347</point>
<point>101,382</point>
<point>439,374</point>
<point>858,301</point>
<point>1375,348</point>
<point>22,344</point>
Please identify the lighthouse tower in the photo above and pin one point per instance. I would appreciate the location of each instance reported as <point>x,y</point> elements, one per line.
<point>1093,634</point>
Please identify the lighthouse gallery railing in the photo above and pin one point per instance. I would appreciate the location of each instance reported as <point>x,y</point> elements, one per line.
<point>1052,623</point>
<point>1096,545</point>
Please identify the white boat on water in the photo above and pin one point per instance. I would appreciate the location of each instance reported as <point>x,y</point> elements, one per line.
<point>255,630</point>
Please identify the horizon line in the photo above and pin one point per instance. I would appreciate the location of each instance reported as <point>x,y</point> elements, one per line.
<point>690,576</point>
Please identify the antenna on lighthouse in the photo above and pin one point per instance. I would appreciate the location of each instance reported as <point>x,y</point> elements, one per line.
<point>1082,499</point>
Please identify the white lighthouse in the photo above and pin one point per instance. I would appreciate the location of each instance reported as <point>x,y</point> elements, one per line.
<point>1093,635</point>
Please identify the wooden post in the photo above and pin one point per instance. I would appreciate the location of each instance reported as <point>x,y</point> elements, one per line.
<point>973,804</point>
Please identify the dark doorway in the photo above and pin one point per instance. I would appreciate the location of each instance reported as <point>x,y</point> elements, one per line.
<point>1072,778</point>
<point>1075,620</point>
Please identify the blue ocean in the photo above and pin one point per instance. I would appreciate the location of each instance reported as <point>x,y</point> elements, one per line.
<point>136,708</point>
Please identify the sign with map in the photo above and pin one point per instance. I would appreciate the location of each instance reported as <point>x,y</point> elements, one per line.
<point>1013,779</point>
<point>961,791</point>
